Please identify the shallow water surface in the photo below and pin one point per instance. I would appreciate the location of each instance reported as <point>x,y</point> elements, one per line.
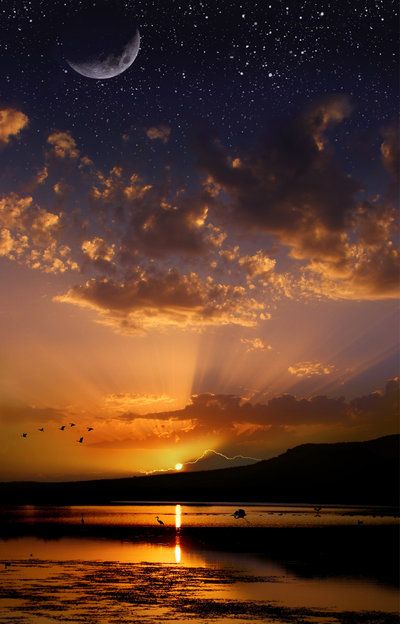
<point>164,574</point>
<point>144,515</point>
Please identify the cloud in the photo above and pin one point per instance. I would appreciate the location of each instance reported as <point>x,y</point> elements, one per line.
<point>12,122</point>
<point>160,133</point>
<point>210,412</point>
<point>156,299</point>
<point>390,149</point>
<point>158,220</point>
<point>255,344</point>
<point>6,242</point>
<point>291,186</point>
<point>132,404</point>
<point>19,414</point>
<point>42,175</point>
<point>98,249</point>
<point>63,145</point>
<point>228,420</point>
<point>158,255</point>
<point>311,369</point>
<point>259,264</point>
<point>29,235</point>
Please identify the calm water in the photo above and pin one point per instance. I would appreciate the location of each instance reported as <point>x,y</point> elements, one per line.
<point>161,575</point>
<point>202,515</point>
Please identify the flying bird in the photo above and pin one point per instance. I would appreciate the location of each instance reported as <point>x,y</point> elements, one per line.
<point>62,427</point>
<point>80,440</point>
<point>72,425</point>
<point>41,429</point>
<point>23,435</point>
<point>90,428</point>
<point>159,521</point>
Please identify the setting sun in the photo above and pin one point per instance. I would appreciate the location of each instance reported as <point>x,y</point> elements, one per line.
<point>178,466</point>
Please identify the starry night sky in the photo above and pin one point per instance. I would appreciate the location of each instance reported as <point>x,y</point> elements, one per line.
<point>235,68</point>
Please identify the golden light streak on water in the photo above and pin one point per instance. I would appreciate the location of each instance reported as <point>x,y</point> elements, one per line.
<point>178,516</point>
<point>178,551</point>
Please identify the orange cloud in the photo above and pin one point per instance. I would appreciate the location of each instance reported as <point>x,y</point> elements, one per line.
<point>257,265</point>
<point>159,299</point>
<point>30,235</point>
<point>138,403</point>
<point>310,369</point>
<point>12,122</point>
<point>256,344</point>
<point>160,133</point>
<point>63,145</point>
<point>97,249</point>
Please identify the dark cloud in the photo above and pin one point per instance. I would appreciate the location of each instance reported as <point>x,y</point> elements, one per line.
<point>155,298</point>
<point>218,410</point>
<point>390,149</point>
<point>285,184</point>
<point>155,220</point>
<point>291,185</point>
<point>18,413</point>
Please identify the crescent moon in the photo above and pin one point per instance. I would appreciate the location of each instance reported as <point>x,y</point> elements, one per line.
<point>110,66</point>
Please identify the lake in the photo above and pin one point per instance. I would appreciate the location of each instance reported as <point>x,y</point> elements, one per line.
<point>118,564</point>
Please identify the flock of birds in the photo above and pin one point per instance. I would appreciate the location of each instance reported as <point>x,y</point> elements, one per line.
<point>62,428</point>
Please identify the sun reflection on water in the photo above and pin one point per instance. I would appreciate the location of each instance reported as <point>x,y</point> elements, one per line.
<point>178,516</point>
<point>178,524</point>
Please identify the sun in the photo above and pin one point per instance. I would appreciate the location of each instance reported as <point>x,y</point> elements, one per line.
<point>178,466</point>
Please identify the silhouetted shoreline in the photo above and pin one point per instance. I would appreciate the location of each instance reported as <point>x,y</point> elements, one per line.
<point>350,473</point>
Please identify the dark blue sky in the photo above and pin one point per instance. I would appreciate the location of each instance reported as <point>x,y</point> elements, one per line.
<point>235,68</point>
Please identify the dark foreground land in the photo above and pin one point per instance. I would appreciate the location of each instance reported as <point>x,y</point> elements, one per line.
<point>343,473</point>
<point>121,592</point>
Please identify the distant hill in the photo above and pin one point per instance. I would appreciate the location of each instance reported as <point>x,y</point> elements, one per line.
<point>348,473</point>
<point>212,460</point>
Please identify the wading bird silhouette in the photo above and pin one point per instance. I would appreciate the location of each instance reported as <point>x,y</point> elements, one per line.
<point>159,521</point>
<point>239,513</point>
<point>80,440</point>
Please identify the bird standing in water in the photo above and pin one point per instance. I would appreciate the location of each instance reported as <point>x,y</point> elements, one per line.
<point>159,521</point>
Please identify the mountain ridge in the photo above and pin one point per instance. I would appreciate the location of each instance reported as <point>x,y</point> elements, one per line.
<point>342,472</point>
